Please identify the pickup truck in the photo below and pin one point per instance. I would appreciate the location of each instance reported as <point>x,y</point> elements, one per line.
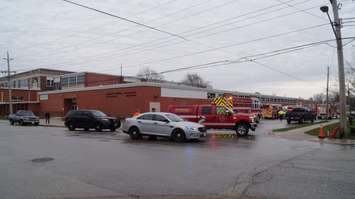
<point>300,115</point>
<point>215,117</point>
<point>23,117</point>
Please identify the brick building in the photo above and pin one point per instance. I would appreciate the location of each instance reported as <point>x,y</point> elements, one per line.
<point>57,92</point>
<point>121,100</point>
<point>25,86</point>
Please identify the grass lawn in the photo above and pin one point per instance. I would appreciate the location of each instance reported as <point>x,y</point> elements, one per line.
<point>330,127</point>
<point>297,126</point>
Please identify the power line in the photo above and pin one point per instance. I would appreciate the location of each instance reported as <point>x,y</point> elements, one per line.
<point>309,13</point>
<point>260,12</point>
<point>237,44</point>
<point>99,26</point>
<point>268,19</point>
<point>276,70</point>
<point>155,19</point>
<point>212,26</point>
<point>253,57</point>
<point>164,43</point>
<point>125,19</point>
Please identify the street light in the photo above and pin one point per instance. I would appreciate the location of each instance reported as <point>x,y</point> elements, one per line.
<point>325,9</point>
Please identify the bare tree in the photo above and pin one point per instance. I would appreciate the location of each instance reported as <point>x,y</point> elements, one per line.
<point>319,97</point>
<point>195,80</point>
<point>147,74</point>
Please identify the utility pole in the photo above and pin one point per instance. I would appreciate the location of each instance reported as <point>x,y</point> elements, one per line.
<point>336,26</point>
<point>342,98</point>
<point>8,59</point>
<point>349,98</point>
<point>121,75</point>
<point>327,96</point>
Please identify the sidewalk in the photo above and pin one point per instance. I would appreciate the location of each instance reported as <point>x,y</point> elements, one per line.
<point>54,122</point>
<point>299,134</point>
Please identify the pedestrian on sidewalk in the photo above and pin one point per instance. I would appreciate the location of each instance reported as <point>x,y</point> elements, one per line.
<point>47,117</point>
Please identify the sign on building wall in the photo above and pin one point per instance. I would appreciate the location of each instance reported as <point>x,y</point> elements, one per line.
<point>180,93</point>
<point>214,95</point>
<point>43,97</point>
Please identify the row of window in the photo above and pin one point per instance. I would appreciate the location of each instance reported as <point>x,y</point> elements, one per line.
<point>22,83</point>
<point>277,100</point>
<point>72,81</point>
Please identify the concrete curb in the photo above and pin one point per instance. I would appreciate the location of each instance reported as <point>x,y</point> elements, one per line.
<point>300,134</point>
<point>52,125</point>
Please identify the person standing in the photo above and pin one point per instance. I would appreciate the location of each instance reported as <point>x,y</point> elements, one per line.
<point>136,113</point>
<point>47,117</point>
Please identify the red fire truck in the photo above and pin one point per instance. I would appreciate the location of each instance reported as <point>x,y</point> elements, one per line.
<point>321,111</point>
<point>216,117</point>
<point>250,105</point>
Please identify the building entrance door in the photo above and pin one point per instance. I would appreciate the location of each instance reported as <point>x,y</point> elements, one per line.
<point>70,104</point>
<point>154,106</point>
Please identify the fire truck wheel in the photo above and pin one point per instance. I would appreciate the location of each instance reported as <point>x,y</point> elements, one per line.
<point>178,135</point>
<point>242,129</point>
<point>134,133</point>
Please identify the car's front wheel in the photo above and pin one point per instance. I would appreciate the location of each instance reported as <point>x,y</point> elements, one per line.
<point>134,133</point>
<point>178,135</point>
<point>21,123</point>
<point>12,122</point>
<point>242,129</point>
<point>98,128</point>
<point>71,127</point>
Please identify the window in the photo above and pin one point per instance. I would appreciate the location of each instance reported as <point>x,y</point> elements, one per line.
<point>206,110</point>
<point>174,117</point>
<point>50,82</point>
<point>80,79</point>
<point>25,113</point>
<point>17,98</point>
<point>159,118</point>
<point>98,114</point>
<point>72,80</point>
<point>146,117</point>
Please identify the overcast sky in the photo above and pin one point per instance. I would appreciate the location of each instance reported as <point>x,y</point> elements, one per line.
<point>58,35</point>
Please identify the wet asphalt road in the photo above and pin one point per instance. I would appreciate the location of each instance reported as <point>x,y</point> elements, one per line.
<point>105,164</point>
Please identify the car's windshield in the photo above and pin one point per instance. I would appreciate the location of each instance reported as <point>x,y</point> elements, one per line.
<point>174,117</point>
<point>99,114</point>
<point>26,113</point>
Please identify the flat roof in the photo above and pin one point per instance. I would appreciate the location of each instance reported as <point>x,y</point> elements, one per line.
<point>160,85</point>
<point>43,71</point>
<point>135,84</point>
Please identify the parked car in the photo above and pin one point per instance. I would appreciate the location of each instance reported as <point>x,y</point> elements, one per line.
<point>213,116</point>
<point>300,115</point>
<point>23,117</point>
<point>163,124</point>
<point>90,119</point>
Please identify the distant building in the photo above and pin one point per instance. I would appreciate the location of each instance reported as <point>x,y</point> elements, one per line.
<point>57,92</point>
